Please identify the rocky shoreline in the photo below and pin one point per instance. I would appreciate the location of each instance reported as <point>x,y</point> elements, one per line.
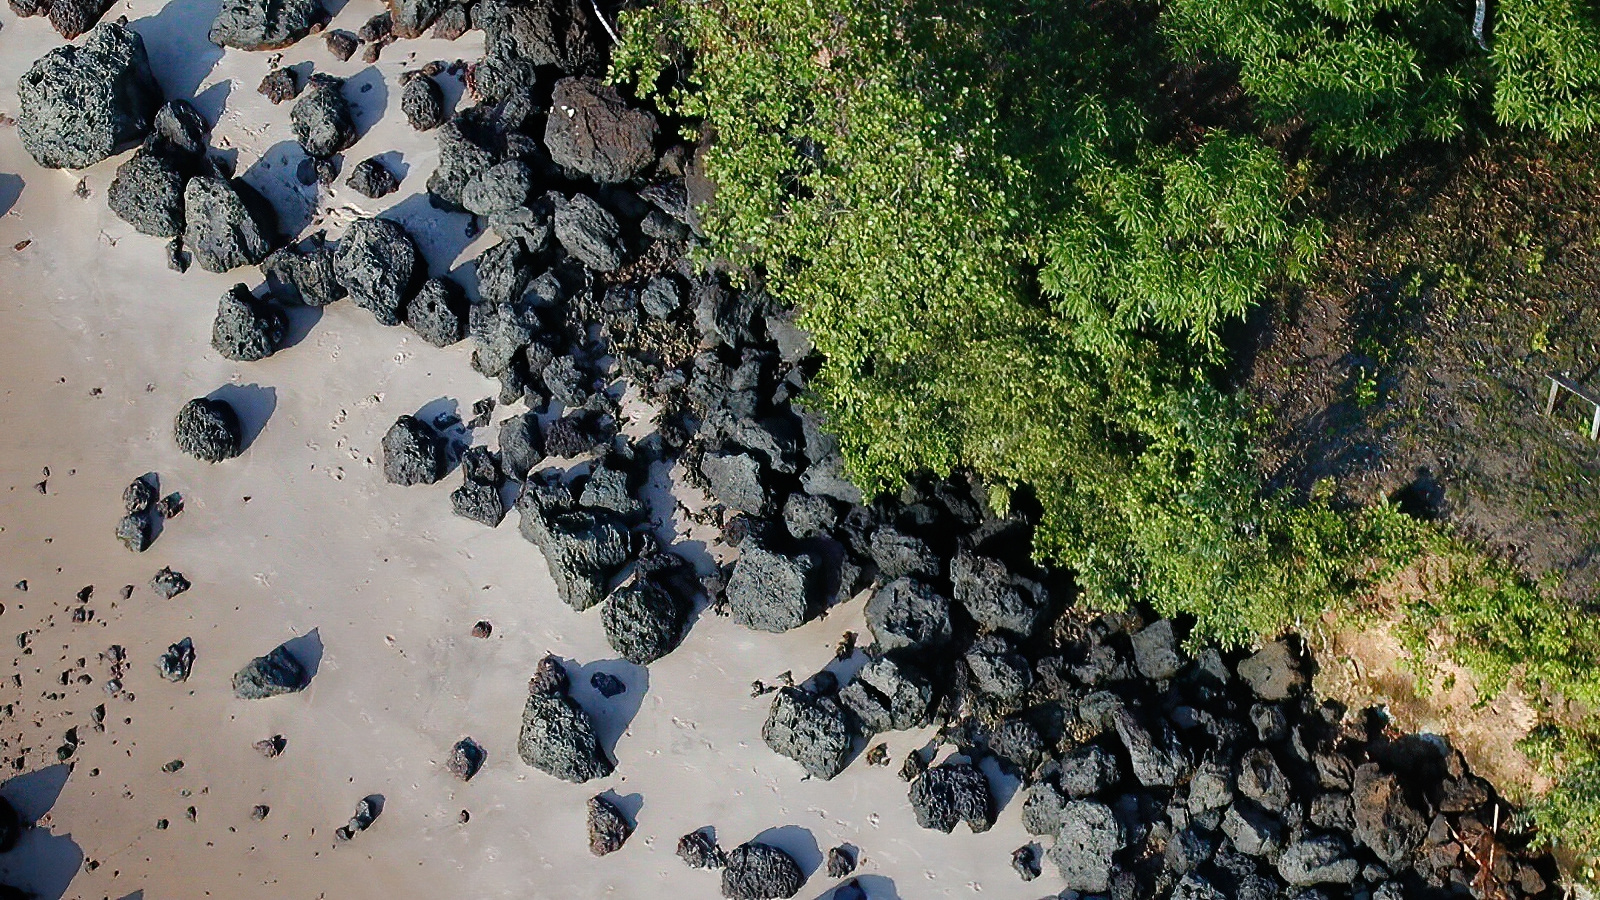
<point>1148,771</point>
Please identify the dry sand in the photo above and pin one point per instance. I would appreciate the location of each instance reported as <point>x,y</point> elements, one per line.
<point>99,346</point>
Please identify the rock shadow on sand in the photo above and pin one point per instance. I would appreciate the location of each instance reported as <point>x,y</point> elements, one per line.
<point>798,842</point>
<point>41,862</point>
<point>611,716</point>
<point>11,186</point>
<point>307,650</point>
<point>253,404</point>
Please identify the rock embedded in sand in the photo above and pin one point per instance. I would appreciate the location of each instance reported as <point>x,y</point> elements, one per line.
<point>226,224</point>
<point>812,730</point>
<point>558,737</point>
<point>168,584</point>
<point>699,851</point>
<point>772,592</point>
<point>643,621</point>
<point>178,661</point>
<point>951,793</point>
<point>1025,860</point>
<point>269,676</point>
<point>371,179</point>
<point>482,630</point>
<point>591,130</point>
<point>590,233</point>
<point>270,747</point>
<point>412,453</point>
<point>134,532</point>
<point>466,758</point>
<point>377,263</point>
<point>208,430</point>
<point>341,44</point>
<point>147,193</point>
<point>422,102</point>
<point>412,17</point>
<point>1090,835</point>
<point>264,24</point>
<point>478,497</point>
<point>321,118</point>
<point>83,103</point>
<point>246,329</point>
<point>438,312</point>
<point>608,827</point>
<point>179,130</point>
<point>757,871</point>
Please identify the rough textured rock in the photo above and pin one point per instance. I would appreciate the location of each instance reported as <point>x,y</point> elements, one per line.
<point>82,104</point>
<point>412,17</point>
<point>770,591</point>
<point>208,430</point>
<point>305,273</point>
<point>995,598</point>
<point>147,193</point>
<point>168,584</point>
<point>438,312</point>
<point>134,532</point>
<point>560,33</point>
<point>812,730</point>
<point>321,118</point>
<point>422,102</point>
<point>1319,859</point>
<point>558,737</point>
<point>757,871</point>
<point>907,613</point>
<point>269,676</point>
<point>735,481</point>
<point>264,24</point>
<point>341,44</point>
<point>371,178</point>
<point>841,862</point>
<point>998,670</point>
<point>608,827</point>
<point>279,86</point>
<point>246,329</point>
<point>582,549</point>
<point>225,224</point>
<point>1273,673</point>
<point>411,453</point>
<point>465,759</point>
<point>1155,651</point>
<point>1089,771</point>
<point>951,793</point>
<point>1042,809</point>
<point>1262,780</point>
<point>377,263</point>
<point>590,233</point>
<point>593,131</point>
<point>521,446</point>
<point>1252,831</point>
<point>1089,836</point>
<point>74,17</point>
<point>699,851</point>
<point>887,696</point>
<point>643,622</point>
<point>1153,765</point>
<point>138,496</point>
<point>178,661</point>
<point>500,187</point>
<point>1385,821</point>
<point>478,498</point>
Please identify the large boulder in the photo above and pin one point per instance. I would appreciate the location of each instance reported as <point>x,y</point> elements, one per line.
<point>321,117</point>
<point>82,104</point>
<point>590,233</point>
<point>757,871</point>
<point>438,312</point>
<point>412,453</point>
<point>888,696</point>
<point>226,224</point>
<point>558,737</point>
<point>584,550</point>
<point>500,187</point>
<point>591,130</point>
<point>147,193</point>
<point>643,621</point>
<point>1385,820</point>
<point>995,598</point>
<point>770,591</point>
<point>951,793</point>
<point>208,430</point>
<point>246,329</point>
<point>735,481</point>
<point>377,263</point>
<point>1318,859</point>
<point>1274,673</point>
<point>1090,835</point>
<point>560,33</point>
<point>908,613</point>
<point>304,273</point>
<point>812,730</point>
<point>269,676</point>
<point>263,24</point>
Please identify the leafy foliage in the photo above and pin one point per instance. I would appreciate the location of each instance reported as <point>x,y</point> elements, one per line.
<point>1547,65</point>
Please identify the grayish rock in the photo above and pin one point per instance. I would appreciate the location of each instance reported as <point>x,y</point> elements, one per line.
<point>591,130</point>
<point>321,118</point>
<point>812,730</point>
<point>772,592</point>
<point>208,430</point>
<point>590,233</point>
<point>886,696</point>
<point>951,793</point>
<point>907,613</point>
<point>263,24</point>
<point>438,312</point>
<point>225,224</point>
<point>80,104</point>
<point>412,453</point>
<point>269,676</point>
<point>1089,836</point>
<point>1319,859</point>
<point>558,737</point>
<point>422,102</point>
<point>246,329</point>
<point>643,622</point>
<point>377,263</point>
<point>608,827</point>
<point>147,193</point>
<point>757,871</point>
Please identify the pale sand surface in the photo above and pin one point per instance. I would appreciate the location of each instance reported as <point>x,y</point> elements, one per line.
<point>100,345</point>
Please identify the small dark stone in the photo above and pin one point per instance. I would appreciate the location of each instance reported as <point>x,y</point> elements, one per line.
<point>590,233</point>
<point>134,532</point>
<point>412,453</point>
<point>438,312</point>
<point>371,179</point>
<point>147,193</point>
<point>841,862</point>
<point>341,44</point>
<point>608,827</point>
<point>272,746</point>
<point>422,101</point>
<point>226,224</point>
<point>137,496</point>
<point>466,758</point>
<point>482,630</point>
<point>699,851</point>
<point>168,584</point>
<point>269,676</point>
<point>811,730</point>
<point>321,118</point>
<point>377,263</point>
<point>607,685</point>
<point>279,85</point>
<point>208,430</point>
<point>259,811</point>
<point>1025,860</point>
<point>178,661</point>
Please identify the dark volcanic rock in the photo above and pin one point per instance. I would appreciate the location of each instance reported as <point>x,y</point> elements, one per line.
<point>438,312</point>
<point>998,670</point>
<point>951,793</point>
<point>643,622</point>
<point>463,152</point>
<point>1153,765</point>
<point>138,496</point>
<point>608,827</point>
<point>995,598</point>
<point>886,696</point>
<point>321,117</point>
<point>412,453</point>
<point>246,329</point>
<point>370,178</point>
<point>582,549</point>
<point>1274,673</point>
<point>168,584</point>
<point>341,44</point>
<point>521,446</point>
<point>180,129</point>
<point>1155,651</point>
<point>377,264</point>
<point>74,17</point>
<point>134,532</point>
<point>591,130</point>
<point>1090,835</point>
<point>1320,859</point>
<point>178,661</point>
<point>478,498</point>
<point>590,233</point>
<point>757,871</point>
<point>735,480</point>
<point>147,193</point>
<point>279,86</point>
<point>1253,831</point>
<point>305,273</point>
<point>422,101</point>
<point>560,33</point>
<point>82,104</point>
<point>225,224</point>
<point>907,613</point>
<point>1088,771</point>
<point>558,737</point>
<point>699,851</point>
<point>466,758</point>
<point>1385,821</point>
<point>1041,811</point>
<point>264,24</point>
<point>813,731</point>
<point>412,17</point>
<point>498,188</point>
<point>208,430</point>
<point>772,591</point>
<point>268,676</point>
<point>841,862</point>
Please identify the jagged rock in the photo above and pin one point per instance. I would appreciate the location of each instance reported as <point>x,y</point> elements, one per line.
<point>772,592</point>
<point>370,178</point>
<point>590,233</point>
<point>583,551</point>
<point>269,676</point>
<point>1252,831</point>
<point>74,17</point>
<point>812,730</point>
<point>608,827</point>
<point>178,661</point>
<point>757,871</point>
<point>1042,809</point>
<point>438,312</point>
<point>270,747</point>
<point>1088,771</point>
<point>643,622</point>
<point>1385,821</point>
<point>951,793</point>
<point>245,329</point>
<point>998,670</point>
<point>1320,859</point>
<point>1155,651</point>
<point>264,24</point>
<point>279,86</point>
<point>377,263</point>
<point>412,453</point>
<point>168,584</point>
<point>478,498</point>
<point>208,430</point>
<point>422,101</point>
<point>901,555</point>
<point>1154,766</point>
<point>1211,787</point>
<point>841,862</point>
<point>521,446</point>
<point>466,758</point>
<point>305,274</point>
<point>1263,781</point>
<point>907,613</point>
<point>886,696</point>
<point>576,433</point>
<point>147,193</point>
<point>137,496</point>
<point>735,480</point>
<point>699,851</point>
<point>996,599</point>
<point>504,271</point>
<point>321,117</point>
<point>593,131</point>
<point>412,17</point>
<point>134,532</point>
<point>560,33</point>
<point>661,297</point>
<point>461,155</point>
<point>1273,673</point>
<point>498,188</point>
<point>82,104</point>
<point>610,487</point>
<point>558,737</point>
<point>1089,836</point>
<point>341,44</point>
<point>226,224</point>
